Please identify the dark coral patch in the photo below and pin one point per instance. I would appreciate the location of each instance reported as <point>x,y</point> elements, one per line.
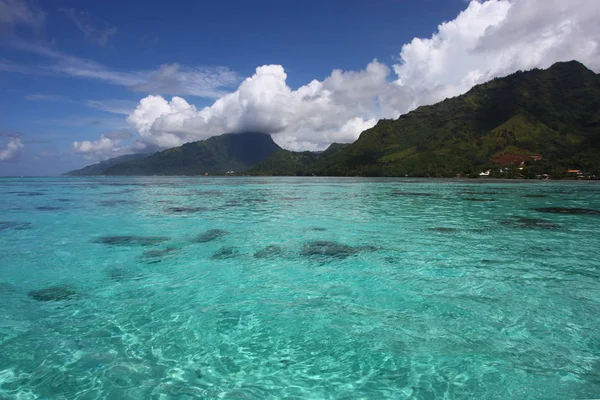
<point>477,193</point>
<point>119,274</point>
<point>415,194</point>
<point>530,223</point>
<point>53,293</point>
<point>567,210</point>
<point>443,229</point>
<point>130,240</point>
<point>185,210</point>
<point>225,253</point>
<point>477,199</point>
<point>210,235</point>
<point>117,202</point>
<point>154,256</point>
<point>48,208</point>
<point>271,251</point>
<point>322,248</point>
<point>16,225</point>
<point>29,194</point>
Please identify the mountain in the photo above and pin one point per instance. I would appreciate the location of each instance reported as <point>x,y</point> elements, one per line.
<point>215,155</point>
<point>98,169</point>
<point>525,124</point>
<point>549,119</point>
<point>286,163</point>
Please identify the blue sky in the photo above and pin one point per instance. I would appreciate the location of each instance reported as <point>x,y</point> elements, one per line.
<point>73,72</point>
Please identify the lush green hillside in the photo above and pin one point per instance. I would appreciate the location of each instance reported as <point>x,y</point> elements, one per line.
<point>553,113</point>
<point>547,119</point>
<point>284,162</point>
<point>98,168</point>
<point>216,155</point>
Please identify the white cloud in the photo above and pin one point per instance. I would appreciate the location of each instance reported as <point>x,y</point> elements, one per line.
<point>486,40</point>
<point>167,79</point>
<point>12,148</point>
<point>95,32</point>
<point>114,106</point>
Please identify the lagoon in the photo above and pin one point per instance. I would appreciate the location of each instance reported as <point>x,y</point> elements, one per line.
<point>298,288</point>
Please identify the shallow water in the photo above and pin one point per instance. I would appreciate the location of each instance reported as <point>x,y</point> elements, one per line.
<point>298,288</point>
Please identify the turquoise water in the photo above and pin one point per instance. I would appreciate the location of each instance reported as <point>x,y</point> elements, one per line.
<point>298,288</point>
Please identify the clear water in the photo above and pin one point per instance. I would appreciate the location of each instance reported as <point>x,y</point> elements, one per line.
<point>375,291</point>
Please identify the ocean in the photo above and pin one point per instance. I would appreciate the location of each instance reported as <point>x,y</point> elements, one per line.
<point>298,288</point>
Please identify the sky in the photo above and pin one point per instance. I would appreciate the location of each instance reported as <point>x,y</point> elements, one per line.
<point>83,81</point>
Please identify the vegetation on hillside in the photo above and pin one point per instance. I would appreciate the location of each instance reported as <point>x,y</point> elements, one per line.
<point>216,155</point>
<point>553,113</point>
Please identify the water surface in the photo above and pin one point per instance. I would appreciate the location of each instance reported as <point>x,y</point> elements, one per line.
<point>298,288</point>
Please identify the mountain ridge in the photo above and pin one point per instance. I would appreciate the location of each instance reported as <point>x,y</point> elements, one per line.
<point>541,121</point>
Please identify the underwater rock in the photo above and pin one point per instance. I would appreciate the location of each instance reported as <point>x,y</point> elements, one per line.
<point>322,248</point>
<point>533,223</point>
<point>119,274</point>
<point>225,253</point>
<point>567,210</point>
<point>29,194</point>
<point>16,225</point>
<point>477,199</point>
<point>179,210</point>
<point>417,194</point>
<point>6,287</point>
<point>477,193</point>
<point>210,235</point>
<point>270,251</point>
<point>443,229</point>
<point>53,293</point>
<point>112,203</point>
<point>154,256</point>
<point>48,208</point>
<point>130,240</point>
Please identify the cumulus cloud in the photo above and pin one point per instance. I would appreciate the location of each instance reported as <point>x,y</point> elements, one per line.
<point>486,40</point>
<point>95,32</point>
<point>11,148</point>
<point>109,145</point>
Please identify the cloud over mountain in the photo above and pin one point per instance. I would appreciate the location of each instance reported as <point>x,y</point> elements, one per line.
<point>486,40</point>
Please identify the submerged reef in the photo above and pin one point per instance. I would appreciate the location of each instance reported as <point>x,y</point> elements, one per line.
<point>271,251</point>
<point>330,249</point>
<point>210,235</point>
<point>530,223</point>
<point>53,293</point>
<point>130,240</point>
<point>567,210</point>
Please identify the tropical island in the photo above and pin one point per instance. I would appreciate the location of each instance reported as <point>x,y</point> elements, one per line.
<point>542,124</point>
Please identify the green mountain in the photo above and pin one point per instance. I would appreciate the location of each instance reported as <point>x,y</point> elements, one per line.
<point>98,168</point>
<point>215,155</point>
<point>528,123</point>
<point>549,119</point>
<point>286,163</point>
